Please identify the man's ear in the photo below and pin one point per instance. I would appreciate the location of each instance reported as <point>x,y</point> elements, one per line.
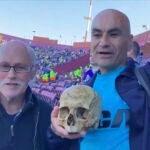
<point>130,42</point>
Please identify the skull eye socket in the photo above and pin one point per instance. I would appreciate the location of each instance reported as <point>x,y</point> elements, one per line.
<point>82,113</point>
<point>64,111</point>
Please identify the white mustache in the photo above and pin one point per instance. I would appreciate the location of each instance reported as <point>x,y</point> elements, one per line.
<point>4,82</point>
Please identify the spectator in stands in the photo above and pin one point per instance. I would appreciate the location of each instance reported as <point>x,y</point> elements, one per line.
<point>45,78</point>
<point>88,73</point>
<point>125,118</point>
<point>94,65</point>
<point>134,52</point>
<point>24,119</point>
<point>90,70</point>
<point>78,74</point>
<point>52,75</point>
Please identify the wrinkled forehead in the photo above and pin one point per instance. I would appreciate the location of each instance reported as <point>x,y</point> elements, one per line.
<point>14,50</point>
<point>14,46</point>
<point>110,19</point>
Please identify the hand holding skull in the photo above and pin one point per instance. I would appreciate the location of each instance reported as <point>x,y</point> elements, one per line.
<point>79,111</point>
<point>61,131</point>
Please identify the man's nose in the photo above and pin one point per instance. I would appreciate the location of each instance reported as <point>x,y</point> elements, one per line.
<point>104,41</point>
<point>11,73</point>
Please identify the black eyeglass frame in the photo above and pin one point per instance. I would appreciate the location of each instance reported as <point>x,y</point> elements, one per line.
<point>17,69</point>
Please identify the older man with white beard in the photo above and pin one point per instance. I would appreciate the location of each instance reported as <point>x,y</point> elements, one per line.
<point>24,119</point>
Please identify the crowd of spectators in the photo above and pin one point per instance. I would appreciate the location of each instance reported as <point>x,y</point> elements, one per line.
<point>51,57</point>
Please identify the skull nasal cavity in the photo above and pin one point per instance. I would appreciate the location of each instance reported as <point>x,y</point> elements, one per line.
<point>71,120</point>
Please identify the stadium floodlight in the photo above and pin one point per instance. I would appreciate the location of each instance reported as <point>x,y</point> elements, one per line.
<point>34,32</point>
<point>145,27</point>
<point>89,18</point>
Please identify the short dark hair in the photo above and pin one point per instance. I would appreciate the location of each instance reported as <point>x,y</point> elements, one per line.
<point>136,48</point>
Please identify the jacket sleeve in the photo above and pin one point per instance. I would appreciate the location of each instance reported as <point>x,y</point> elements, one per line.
<point>147,67</point>
<point>55,142</point>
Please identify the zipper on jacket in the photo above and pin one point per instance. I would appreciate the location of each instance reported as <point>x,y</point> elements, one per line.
<point>14,120</point>
<point>12,130</point>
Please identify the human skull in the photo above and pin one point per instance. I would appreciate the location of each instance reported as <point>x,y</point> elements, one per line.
<point>80,109</point>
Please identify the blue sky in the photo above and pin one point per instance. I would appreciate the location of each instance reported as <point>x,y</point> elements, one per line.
<point>52,18</point>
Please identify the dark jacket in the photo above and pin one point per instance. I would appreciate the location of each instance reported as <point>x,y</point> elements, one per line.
<point>27,131</point>
<point>137,99</point>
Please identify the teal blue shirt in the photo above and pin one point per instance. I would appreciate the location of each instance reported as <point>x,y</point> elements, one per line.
<point>113,133</point>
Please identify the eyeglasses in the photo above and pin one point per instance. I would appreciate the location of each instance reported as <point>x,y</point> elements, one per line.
<point>17,68</point>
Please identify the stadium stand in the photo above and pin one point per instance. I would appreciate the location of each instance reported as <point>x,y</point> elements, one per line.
<point>64,60</point>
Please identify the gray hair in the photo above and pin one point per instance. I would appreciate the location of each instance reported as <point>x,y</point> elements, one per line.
<point>30,50</point>
<point>31,54</point>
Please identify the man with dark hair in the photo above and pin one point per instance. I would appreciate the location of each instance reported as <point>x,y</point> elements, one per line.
<point>134,52</point>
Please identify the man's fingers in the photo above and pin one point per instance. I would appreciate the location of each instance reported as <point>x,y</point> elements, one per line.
<point>59,130</point>
<point>55,112</point>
